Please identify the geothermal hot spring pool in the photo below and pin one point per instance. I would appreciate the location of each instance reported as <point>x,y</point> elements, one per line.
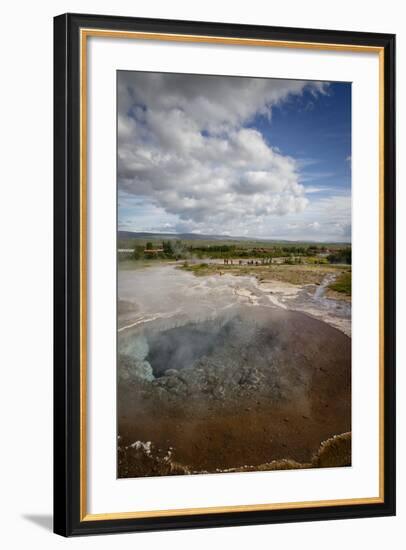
<point>214,376</point>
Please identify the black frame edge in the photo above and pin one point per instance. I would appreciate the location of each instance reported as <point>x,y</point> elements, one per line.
<point>67,272</point>
<point>390,273</point>
<point>212,28</point>
<point>61,435</point>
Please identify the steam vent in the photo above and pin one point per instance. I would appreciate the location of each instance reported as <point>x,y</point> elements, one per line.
<point>223,378</point>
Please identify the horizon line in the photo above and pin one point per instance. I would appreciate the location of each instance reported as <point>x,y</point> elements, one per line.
<point>246,237</point>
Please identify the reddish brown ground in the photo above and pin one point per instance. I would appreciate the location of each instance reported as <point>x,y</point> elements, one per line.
<point>217,435</point>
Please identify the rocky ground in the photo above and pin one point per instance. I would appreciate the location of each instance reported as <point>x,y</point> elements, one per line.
<point>254,388</point>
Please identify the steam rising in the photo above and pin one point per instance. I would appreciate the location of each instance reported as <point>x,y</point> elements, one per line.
<point>213,374</point>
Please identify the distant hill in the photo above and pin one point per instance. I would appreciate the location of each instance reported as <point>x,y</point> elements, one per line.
<point>125,235</point>
<point>128,235</point>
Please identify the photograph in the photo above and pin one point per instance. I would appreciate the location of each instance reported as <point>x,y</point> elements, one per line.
<point>233,274</point>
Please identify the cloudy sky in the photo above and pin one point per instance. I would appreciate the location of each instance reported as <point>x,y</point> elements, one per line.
<point>239,156</point>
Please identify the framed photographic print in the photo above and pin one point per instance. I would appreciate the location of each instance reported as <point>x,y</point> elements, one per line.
<point>224,274</point>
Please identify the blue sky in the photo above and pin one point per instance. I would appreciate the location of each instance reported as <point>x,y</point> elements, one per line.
<point>239,156</point>
<point>317,132</point>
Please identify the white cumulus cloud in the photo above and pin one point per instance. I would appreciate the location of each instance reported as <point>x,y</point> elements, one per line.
<point>184,146</point>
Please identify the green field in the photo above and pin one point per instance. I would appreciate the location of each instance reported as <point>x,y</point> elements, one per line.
<point>164,248</point>
<point>294,274</point>
<point>342,284</point>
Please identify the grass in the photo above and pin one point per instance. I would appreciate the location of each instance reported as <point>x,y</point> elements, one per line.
<point>294,274</point>
<point>342,284</point>
<point>196,268</point>
<point>300,274</point>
